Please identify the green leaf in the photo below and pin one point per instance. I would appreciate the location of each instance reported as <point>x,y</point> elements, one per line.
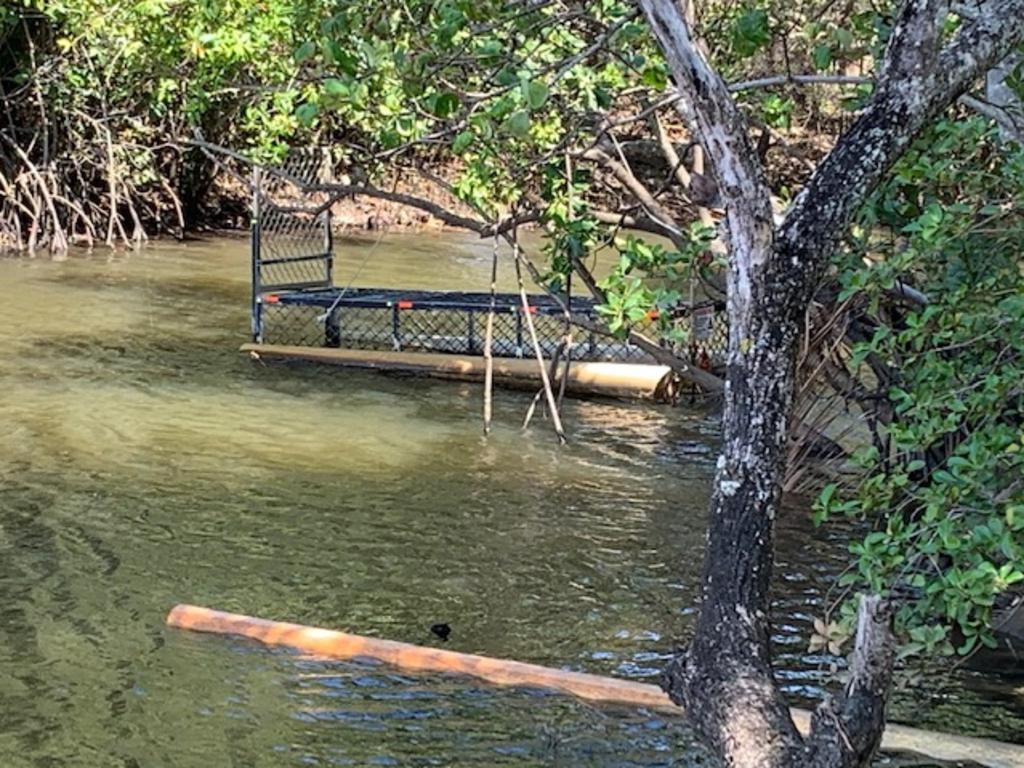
<point>305,51</point>
<point>536,93</point>
<point>344,60</point>
<point>655,77</point>
<point>821,56</point>
<point>507,77</point>
<point>968,645</point>
<point>306,113</point>
<point>462,142</point>
<point>445,104</point>
<point>518,124</point>
<point>751,32</point>
<point>336,87</point>
<point>844,37</point>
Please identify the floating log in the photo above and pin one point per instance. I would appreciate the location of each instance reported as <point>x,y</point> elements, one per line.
<point>332,644</point>
<point>628,380</point>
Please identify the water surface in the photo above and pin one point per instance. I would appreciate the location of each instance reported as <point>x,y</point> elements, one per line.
<point>144,462</point>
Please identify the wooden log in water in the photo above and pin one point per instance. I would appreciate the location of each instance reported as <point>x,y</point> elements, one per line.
<point>629,380</point>
<point>331,644</point>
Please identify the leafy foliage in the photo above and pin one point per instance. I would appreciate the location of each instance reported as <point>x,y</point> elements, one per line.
<point>647,282</point>
<point>185,64</point>
<point>99,93</point>
<point>943,487</point>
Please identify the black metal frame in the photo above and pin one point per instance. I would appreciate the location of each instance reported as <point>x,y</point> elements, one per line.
<point>445,321</point>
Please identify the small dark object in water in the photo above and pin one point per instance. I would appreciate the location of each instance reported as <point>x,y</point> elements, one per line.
<point>442,631</point>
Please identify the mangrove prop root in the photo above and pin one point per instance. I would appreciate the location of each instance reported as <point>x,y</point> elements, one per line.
<point>556,419</point>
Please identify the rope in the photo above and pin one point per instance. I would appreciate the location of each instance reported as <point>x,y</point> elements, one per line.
<point>334,305</point>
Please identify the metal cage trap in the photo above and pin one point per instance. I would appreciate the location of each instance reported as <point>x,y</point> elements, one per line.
<point>295,300</point>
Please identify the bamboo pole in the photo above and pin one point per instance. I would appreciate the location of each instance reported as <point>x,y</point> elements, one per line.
<point>489,342</point>
<point>332,644</point>
<point>556,419</point>
<point>628,380</point>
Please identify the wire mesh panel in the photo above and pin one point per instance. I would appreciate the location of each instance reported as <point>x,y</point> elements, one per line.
<point>291,233</point>
<point>446,330</point>
<point>294,249</point>
<point>295,325</point>
<point>438,330</point>
<point>716,343</point>
<point>456,323</point>
<point>445,323</point>
<point>360,328</point>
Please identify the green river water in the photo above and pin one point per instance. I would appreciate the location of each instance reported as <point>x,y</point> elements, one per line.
<point>144,462</point>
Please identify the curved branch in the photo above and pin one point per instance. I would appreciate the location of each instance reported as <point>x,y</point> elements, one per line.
<point>336,192</point>
<point>481,227</point>
<point>629,221</point>
<point>839,737</point>
<point>1011,123</point>
<point>661,215</point>
<point>722,129</point>
<point>916,85</point>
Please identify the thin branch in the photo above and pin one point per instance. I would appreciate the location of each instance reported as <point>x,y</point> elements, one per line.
<point>1005,119</point>
<point>339,191</point>
<point>626,177</point>
<point>629,221</point>
<point>675,163</point>
<point>773,80</point>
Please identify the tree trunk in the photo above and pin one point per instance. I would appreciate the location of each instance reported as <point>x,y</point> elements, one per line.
<point>725,679</point>
<point>1000,94</point>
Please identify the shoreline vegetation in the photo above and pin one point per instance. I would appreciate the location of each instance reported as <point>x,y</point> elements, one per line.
<point>99,104</point>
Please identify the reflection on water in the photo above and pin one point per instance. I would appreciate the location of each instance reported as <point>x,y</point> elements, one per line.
<point>144,462</point>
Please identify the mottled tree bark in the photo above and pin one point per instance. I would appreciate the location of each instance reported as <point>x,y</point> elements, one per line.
<point>725,678</point>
